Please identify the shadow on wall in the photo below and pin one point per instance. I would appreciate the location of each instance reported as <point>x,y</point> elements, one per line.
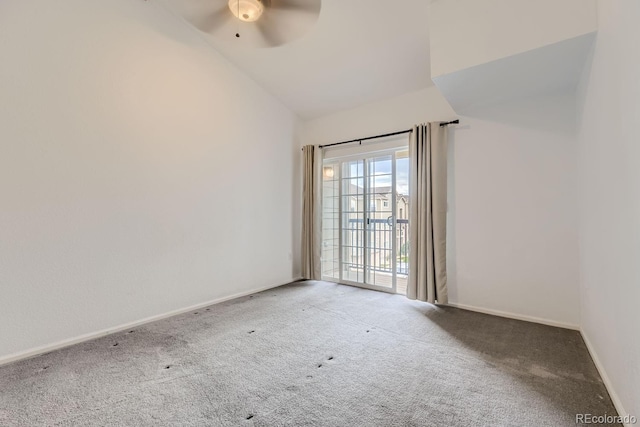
<point>541,113</point>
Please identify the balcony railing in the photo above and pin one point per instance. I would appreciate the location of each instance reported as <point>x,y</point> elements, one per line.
<point>379,234</point>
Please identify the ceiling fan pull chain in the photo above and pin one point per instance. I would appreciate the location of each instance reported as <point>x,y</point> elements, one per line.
<point>238,23</point>
<point>264,23</point>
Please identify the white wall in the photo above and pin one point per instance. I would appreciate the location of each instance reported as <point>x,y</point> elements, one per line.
<point>139,171</point>
<point>609,148</point>
<point>394,114</point>
<point>465,33</point>
<point>512,206</point>
<point>513,244</point>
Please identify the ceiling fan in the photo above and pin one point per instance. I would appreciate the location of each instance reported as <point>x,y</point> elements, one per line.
<point>254,23</point>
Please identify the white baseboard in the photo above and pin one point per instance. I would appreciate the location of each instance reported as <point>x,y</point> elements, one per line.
<point>515,316</point>
<point>93,335</point>
<point>605,378</point>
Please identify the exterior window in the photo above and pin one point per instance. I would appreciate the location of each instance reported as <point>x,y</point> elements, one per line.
<point>385,204</point>
<point>401,216</point>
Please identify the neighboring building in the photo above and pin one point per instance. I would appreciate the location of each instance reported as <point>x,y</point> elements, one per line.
<point>380,223</point>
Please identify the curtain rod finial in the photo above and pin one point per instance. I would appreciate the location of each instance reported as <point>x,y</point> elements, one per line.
<point>452,122</point>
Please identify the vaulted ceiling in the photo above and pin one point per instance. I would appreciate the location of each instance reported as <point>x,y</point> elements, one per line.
<point>359,51</point>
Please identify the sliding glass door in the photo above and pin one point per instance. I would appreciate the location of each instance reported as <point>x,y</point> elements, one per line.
<point>365,211</point>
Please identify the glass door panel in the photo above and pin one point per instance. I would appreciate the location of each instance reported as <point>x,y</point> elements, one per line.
<point>364,228</point>
<point>352,215</point>
<point>402,220</point>
<point>379,222</point>
<point>330,255</point>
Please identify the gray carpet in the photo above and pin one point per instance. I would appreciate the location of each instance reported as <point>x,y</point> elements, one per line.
<point>312,354</point>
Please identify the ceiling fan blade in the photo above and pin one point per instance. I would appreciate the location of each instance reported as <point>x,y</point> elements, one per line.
<point>282,21</point>
<point>215,20</point>
<point>310,6</point>
<point>269,33</point>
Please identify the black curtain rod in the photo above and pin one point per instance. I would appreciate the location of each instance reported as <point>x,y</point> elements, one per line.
<point>367,138</point>
<point>383,135</point>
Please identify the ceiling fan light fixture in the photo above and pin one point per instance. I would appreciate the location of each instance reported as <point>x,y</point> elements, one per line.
<point>246,10</point>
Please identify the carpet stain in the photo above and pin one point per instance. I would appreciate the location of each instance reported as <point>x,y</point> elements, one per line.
<point>575,375</point>
<point>539,371</point>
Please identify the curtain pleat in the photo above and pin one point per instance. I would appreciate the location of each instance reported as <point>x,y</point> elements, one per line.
<point>428,214</point>
<point>310,216</point>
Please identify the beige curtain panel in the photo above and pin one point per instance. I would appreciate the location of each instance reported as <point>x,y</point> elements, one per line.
<point>310,216</point>
<point>428,214</point>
